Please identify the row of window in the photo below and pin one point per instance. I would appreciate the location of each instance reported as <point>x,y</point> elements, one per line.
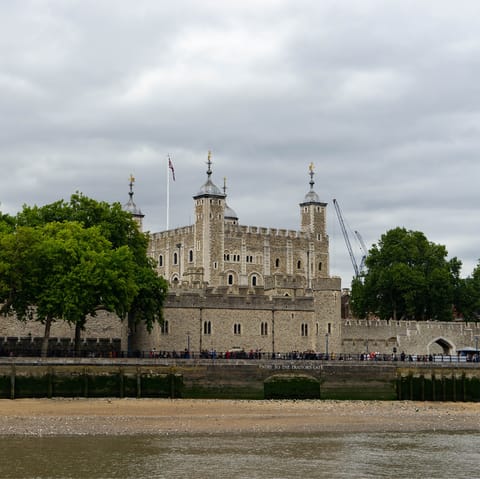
<point>237,328</point>
<point>176,258</point>
<point>226,257</point>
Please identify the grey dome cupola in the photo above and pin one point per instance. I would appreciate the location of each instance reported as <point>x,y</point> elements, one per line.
<point>130,206</point>
<point>209,188</point>
<point>311,196</point>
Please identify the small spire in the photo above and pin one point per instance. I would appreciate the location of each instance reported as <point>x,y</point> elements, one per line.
<point>209,163</point>
<point>225,185</point>
<point>312,173</point>
<point>132,181</point>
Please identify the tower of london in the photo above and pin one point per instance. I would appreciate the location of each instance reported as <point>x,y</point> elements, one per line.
<point>238,287</point>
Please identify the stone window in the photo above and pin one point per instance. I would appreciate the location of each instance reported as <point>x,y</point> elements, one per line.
<point>237,328</point>
<point>304,329</point>
<point>277,263</point>
<point>160,260</point>
<point>254,280</point>
<point>230,279</point>
<point>190,256</point>
<point>299,264</point>
<point>264,329</point>
<point>329,328</point>
<point>320,266</point>
<point>207,327</point>
<point>164,327</point>
<point>175,258</point>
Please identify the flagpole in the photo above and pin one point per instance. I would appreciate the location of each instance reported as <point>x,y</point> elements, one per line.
<point>168,191</point>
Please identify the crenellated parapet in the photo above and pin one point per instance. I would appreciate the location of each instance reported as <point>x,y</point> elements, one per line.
<point>240,230</point>
<point>215,298</point>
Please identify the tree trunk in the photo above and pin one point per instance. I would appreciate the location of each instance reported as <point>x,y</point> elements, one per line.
<point>46,336</point>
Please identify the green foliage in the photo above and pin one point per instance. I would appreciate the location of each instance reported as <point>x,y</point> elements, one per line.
<point>468,296</point>
<point>66,260</point>
<point>64,271</point>
<point>408,277</point>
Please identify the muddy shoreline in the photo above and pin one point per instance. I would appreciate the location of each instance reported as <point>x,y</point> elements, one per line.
<point>56,417</point>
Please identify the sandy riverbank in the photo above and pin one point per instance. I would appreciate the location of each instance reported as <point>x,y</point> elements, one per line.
<point>164,416</point>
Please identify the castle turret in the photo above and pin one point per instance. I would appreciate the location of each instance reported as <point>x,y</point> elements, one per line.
<point>209,229</point>
<point>131,207</point>
<point>313,212</point>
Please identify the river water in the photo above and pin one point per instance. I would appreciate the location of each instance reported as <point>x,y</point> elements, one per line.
<point>265,456</point>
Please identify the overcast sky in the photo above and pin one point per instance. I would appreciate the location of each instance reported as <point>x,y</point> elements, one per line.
<point>382,96</point>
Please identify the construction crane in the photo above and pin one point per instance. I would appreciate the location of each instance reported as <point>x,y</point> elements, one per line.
<point>346,238</point>
<point>364,250</point>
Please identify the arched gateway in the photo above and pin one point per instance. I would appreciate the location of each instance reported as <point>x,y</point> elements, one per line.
<point>441,346</point>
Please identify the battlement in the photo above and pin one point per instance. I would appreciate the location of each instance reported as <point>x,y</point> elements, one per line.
<point>216,298</point>
<point>175,233</point>
<point>238,230</point>
<point>411,325</point>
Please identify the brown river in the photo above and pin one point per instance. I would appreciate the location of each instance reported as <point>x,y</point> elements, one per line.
<point>244,456</point>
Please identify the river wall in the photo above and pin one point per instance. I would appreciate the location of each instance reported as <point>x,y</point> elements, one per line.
<point>239,379</point>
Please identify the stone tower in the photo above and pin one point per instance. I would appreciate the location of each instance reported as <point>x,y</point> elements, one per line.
<point>209,229</point>
<point>313,224</point>
<point>313,212</point>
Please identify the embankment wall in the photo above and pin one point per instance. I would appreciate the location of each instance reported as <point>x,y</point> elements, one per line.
<point>241,379</point>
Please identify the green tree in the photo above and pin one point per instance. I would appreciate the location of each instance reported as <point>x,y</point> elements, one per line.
<point>407,277</point>
<point>468,302</point>
<point>63,271</point>
<point>117,227</point>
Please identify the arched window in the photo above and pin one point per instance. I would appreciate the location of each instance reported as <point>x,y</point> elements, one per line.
<point>190,256</point>
<point>175,258</point>
<point>254,280</point>
<point>164,327</point>
<point>160,260</point>
<point>299,264</point>
<point>277,263</point>
<point>207,327</point>
<point>320,266</point>
<point>304,329</point>
<point>230,279</point>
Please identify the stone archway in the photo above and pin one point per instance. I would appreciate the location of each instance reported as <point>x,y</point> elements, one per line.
<point>440,346</point>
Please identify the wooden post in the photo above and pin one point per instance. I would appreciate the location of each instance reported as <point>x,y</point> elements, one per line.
<point>50,383</point>
<point>85,382</point>
<point>122,383</point>
<point>12,382</point>
<point>139,384</point>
